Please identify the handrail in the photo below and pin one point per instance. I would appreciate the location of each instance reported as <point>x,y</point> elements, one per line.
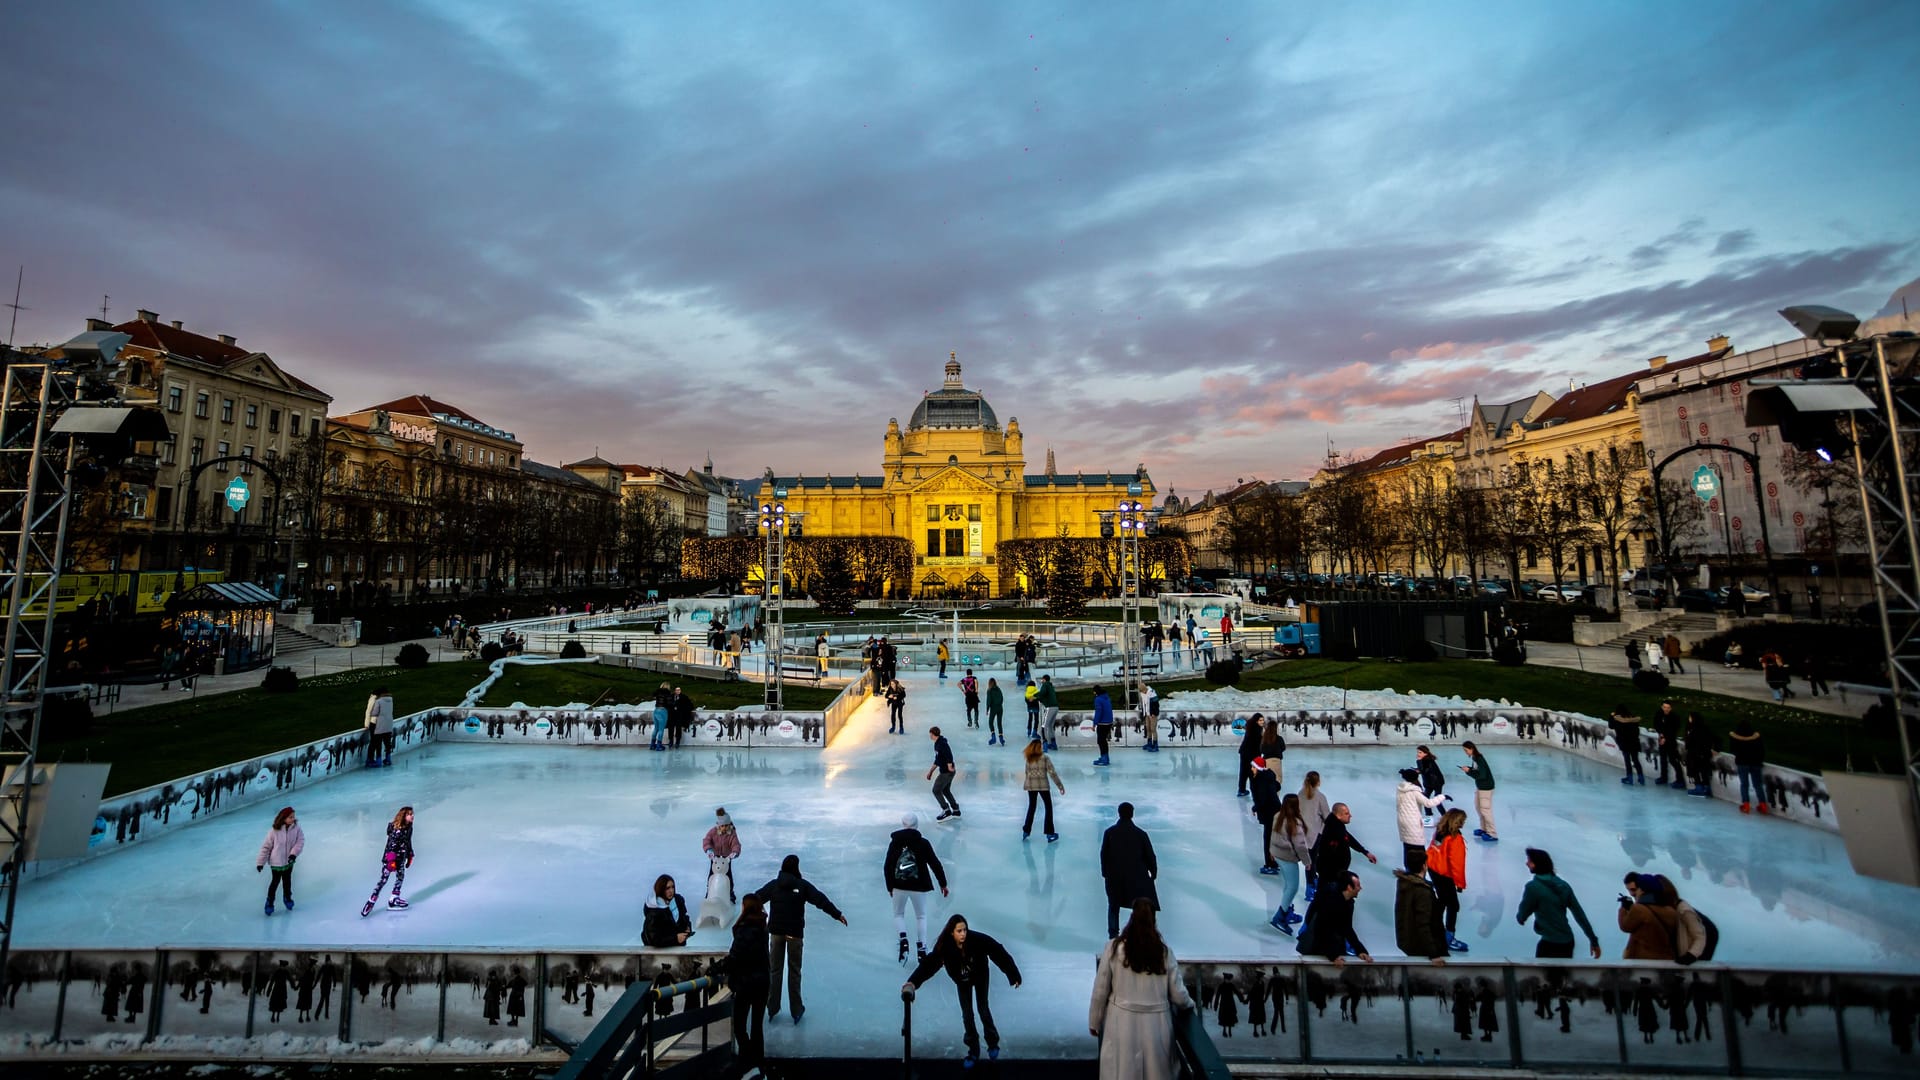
<point>1193,1048</point>
<point>623,1043</point>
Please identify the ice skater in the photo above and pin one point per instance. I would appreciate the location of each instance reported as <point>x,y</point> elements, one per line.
<point>282,846</point>
<point>965,954</point>
<point>910,868</point>
<point>996,713</point>
<point>1049,710</point>
<point>723,841</point>
<point>1482,774</point>
<point>943,765</point>
<point>896,707</point>
<point>787,896</point>
<point>1102,722</point>
<point>1032,696</point>
<point>1039,769</point>
<point>394,861</point>
<point>662,716</point>
<point>970,694</point>
<point>1411,805</point>
<point>666,922</point>
<point>716,909</point>
<point>747,977</point>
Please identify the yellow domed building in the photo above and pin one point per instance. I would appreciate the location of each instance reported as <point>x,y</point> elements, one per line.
<point>954,484</point>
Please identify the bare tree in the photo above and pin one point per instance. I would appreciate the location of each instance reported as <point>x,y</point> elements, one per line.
<point>1609,488</point>
<point>1426,504</point>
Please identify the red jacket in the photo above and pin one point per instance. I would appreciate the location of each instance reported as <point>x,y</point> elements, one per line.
<point>1449,858</point>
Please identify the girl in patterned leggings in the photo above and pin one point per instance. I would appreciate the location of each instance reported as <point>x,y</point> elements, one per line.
<point>396,859</point>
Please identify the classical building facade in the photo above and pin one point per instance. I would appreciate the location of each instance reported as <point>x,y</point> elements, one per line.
<point>955,483</point>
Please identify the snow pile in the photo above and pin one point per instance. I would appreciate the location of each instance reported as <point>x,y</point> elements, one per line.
<point>1324,699</point>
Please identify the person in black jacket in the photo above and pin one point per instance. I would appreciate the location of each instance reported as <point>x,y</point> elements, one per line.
<point>965,954</point>
<point>788,896</point>
<point>943,784</point>
<point>1626,736</point>
<point>1266,802</point>
<point>1700,749</point>
<point>1432,780</point>
<point>662,716</point>
<point>1128,865</point>
<point>1667,725</point>
<point>1249,749</point>
<point>681,718</point>
<point>747,974</point>
<point>1328,930</point>
<point>666,922</point>
<point>1333,852</point>
<point>910,869</point>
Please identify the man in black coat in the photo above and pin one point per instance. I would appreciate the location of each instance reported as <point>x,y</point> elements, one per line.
<point>1249,749</point>
<point>1266,803</point>
<point>1333,852</point>
<point>680,716</point>
<point>1328,930</point>
<point>787,897</point>
<point>910,869</point>
<point>1128,865</point>
<point>965,954</point>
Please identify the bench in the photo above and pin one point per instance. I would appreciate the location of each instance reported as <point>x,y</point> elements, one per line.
<point>796,670</point>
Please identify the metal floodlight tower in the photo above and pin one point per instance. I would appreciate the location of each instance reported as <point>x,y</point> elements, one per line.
<point>1130,522</point>
<point>1865,399</point>
<point>36,495</point>
<point>776,521</point>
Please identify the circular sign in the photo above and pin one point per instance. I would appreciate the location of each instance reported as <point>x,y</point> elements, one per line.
<point>712,728</point>
<point>787,728</point>
<point>1773,490</point>
<point>472,725</point>
<point>1736,523</point>
<point>1734,390</point>
<point>1713,506</point>
<point>1683,412</point>
<point>1500,725</point>
<point>237,493</point>
<point>1239,725</point>
<point>1609,744</point>
<point>1086,726</point>
<point>1425,727</point>
<point>1759,547</point>
<point>543,725</point>
<point>1799,518</point>
<point>1703,429</point>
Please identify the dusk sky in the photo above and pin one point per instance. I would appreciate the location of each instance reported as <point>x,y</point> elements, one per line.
<point>1207,237</point>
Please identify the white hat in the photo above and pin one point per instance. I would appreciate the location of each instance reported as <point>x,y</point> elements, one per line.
<point>909,820</point>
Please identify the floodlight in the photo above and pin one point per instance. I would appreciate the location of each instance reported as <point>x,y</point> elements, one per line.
<point>1821,323</point>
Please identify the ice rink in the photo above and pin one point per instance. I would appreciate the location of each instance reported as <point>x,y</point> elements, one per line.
<point>556,847</point>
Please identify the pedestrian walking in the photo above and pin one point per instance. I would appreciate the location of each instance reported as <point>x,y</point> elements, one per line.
<point>788,895</point>
<point>1287,847</point>
<point>1626,735</point>
<point>911,867</point>
<point>1136,988</point>
<point>1482,774</point>
<point>1410,803</point>
<point>1700,748</point>
<point>1814,669</point>
<point>1328,930</point>
<point>1655,655</point>
<point>379,725</point>
<point>1417,927</point>
<point>965,954</point>
<point>1249,749</point>
<point>1266,802</point>
<point>970,696</point>
<point>1447,865</point>
<point>943,769</point>
<point>1127,866</point>
<point>1635,657</point>
<point>1671,649</point>
<point>748,977</point>
<point>1102,722</point>
<point>1773,669</point>
<point>285,840</point>
<point>996,713</point>
<point>1749,757</point>
<point>1548,900</point>
<point>394,861</point>
<point>666,922</point>
<point>1039,771</point>
<point>896,708</point>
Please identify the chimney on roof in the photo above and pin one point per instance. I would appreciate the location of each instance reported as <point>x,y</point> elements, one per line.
<point>177,326</point>
<point>225,339</point>
<point>99,324</point>
<point>148,316</point>
<point>1657,363</point>
<point>1717,342</point>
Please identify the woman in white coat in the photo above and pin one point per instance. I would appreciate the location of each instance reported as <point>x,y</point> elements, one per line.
<point>1410,798</point>
<point>1135,992</point>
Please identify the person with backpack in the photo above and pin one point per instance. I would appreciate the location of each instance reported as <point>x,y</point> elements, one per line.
<point>1650,925</point>
<point>970,696</point>
<point>1695,937</point>
<point>1700,747</point>
<point>1039,769</point>
<point>1749,757</point>
<point>1547,900</point>
<point>910,869</point>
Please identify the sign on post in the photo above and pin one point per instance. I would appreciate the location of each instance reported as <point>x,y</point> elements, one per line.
<point>238,493</point>
<point>1706,483</point>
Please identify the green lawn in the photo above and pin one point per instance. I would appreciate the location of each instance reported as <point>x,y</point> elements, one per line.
<point>157,743</point>
<point>1796,738</point>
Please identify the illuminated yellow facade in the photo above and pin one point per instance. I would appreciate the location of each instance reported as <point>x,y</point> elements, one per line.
<point>955,485</point>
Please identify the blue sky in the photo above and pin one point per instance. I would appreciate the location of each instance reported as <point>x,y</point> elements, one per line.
<point>1207,237</point>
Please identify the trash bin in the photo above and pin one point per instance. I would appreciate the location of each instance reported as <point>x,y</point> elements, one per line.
<point>220,665</point>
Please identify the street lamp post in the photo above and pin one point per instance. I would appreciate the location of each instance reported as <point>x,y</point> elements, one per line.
<point>1130,523</point>
<point>775,521</point>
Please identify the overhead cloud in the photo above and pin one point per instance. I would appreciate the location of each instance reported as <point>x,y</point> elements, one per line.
<point>1200,240</point>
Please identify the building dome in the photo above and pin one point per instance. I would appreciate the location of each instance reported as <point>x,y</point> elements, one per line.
<point>953,405</point>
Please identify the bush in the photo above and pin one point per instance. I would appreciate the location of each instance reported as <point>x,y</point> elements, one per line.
<point>1225,672</point>
<point>573,650</point>
<point>280,680</point>
<point>1509,652</point>
<point>492,651</point>
<point>1651,682</point>
<point>412,655</point>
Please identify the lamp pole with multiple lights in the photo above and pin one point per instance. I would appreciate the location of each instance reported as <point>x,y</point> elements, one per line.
<point>776,522</point>
<point>1130,523</point>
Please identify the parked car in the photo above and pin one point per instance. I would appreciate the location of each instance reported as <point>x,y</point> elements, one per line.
<point>1493,589</point>
<point>1702,600</point>
<point>1648,599</point>
<point>1750,593</point>
<point>1565,594</point>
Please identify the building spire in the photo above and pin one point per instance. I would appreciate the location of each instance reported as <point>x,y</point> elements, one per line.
<point>1049,461</point>
<point>953,373</point>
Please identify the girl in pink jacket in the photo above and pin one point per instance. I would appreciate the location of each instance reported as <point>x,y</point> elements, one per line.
<point>281,847</point>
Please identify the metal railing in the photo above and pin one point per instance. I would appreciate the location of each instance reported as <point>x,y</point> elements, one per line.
<point>625,1043</point>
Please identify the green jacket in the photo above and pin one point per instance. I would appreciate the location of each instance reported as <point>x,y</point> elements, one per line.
<point>995,699</point>
<point>1048,699</point>
<point>1482,773</point>
<point>1548,899</point>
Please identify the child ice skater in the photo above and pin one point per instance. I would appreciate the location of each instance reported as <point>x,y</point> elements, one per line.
<point>281,847</point>
<point>394,861</point>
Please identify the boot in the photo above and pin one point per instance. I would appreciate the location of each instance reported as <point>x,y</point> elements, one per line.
<point>1746,808</point>
<point>903,948</point>
<point>1765,810</point>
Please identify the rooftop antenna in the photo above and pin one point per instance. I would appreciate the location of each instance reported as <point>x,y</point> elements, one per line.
<point>18,280</point>
<point>103,306</point>
<point>1460,410</point>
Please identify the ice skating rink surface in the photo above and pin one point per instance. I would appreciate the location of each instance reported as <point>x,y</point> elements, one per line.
<point>556,847</point>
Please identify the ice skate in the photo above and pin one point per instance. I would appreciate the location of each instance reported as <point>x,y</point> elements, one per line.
<point>269,907</point>
<point>289,903</point>
<point>993,1052</point>
<point>903,948</point>
<point>944,815</point>
<point>366,909</point>
<point>1053,838</point>
<point>1455,944</point>
<point>397,904</point>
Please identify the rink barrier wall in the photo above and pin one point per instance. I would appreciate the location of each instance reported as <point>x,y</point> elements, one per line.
<point>316,1002</point>
<point>1790,794</point>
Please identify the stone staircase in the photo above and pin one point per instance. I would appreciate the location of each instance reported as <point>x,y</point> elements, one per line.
<point>290,642</point>
<point>1689,627</point>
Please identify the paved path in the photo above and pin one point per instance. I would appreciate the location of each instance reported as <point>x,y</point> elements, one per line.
<point>305,664</point>
<point>1705,675</point>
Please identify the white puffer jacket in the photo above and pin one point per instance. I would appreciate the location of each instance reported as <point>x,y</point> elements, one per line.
<point>1411,799</point>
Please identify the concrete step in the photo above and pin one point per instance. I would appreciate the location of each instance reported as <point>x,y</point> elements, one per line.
<point>290,642</point>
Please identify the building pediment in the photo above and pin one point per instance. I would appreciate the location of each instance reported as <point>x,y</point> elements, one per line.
<point>951,478</point>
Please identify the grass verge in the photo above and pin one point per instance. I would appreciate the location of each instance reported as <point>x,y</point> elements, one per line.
<point>1796,738</point>
<point>557,684</point>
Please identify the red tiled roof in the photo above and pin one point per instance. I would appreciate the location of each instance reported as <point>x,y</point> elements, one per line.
<point>167,338</point>
<point>1598,399</point>
<point>1393,454</point>
<point>422,405</point>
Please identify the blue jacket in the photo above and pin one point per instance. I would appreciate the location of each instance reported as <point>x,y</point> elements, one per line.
<point>1102,710</point>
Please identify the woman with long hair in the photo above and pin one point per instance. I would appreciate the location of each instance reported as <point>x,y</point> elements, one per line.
<point>747,976</point>
<point>1288,849</point>
<point>965,954</point>
<point>1447,868</point>
<point>394,861</point>
<point>666,918</point>
<point>1314,811</point>
<point>1039,770</point>
<point>1135,991</point>
<point>282,846</point>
